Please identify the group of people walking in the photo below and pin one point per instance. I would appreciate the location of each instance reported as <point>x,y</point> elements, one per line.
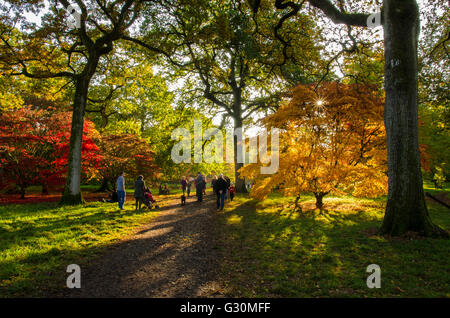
<point>221,185</point>
<point>142,194</point>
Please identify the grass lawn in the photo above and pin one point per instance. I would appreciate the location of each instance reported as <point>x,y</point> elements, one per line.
<point>38,241</point>
<point>271,251</point>
<point>268,250</point>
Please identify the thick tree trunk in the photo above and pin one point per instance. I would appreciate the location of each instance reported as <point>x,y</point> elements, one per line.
<point>406,209</point>
<point>239,182</point>
<point>72,193</point>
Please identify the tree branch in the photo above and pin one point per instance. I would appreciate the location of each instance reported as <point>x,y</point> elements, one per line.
<point>338,16</point>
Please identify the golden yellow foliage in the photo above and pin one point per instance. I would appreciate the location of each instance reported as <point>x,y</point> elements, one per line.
<point>331,141</point>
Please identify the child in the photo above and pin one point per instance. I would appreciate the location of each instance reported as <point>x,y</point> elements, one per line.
<point>232,191</point>
<point>148,199</point>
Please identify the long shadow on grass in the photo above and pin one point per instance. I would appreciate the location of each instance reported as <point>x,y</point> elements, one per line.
<point>23,229</point>
<point>176,258</point>
<point>26,221</point>
<point>276,252</point>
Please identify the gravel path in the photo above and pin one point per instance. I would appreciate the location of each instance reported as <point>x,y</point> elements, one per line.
<point>173,256</point>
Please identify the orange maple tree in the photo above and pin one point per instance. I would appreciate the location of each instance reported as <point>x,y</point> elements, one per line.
<point>332,140</point>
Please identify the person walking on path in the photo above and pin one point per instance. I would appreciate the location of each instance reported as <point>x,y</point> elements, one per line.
<point>213,181</point>
<point>220,187</point>
<point>199,186</point>
<point>184,185</point>
<point>204,184</point>
<point>139,190</point>
<point>120,185</point>
<point>228,185</point>
<point>232,191</point>
<point>188,187</point>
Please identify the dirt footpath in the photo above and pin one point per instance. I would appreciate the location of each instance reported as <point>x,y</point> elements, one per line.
<point>173,256</point>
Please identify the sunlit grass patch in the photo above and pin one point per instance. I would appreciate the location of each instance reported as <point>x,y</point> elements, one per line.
<point>274,251</point>
<point>234,219</point>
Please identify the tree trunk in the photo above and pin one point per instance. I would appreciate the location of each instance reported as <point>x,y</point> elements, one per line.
<point>104,121</point>
<point>406,209</point>
<point>297,206</point>
<point>22,192</point>
<point>72,193</point>
<point>319,200</point>
<point>239,182</point>
<point>44,189</point>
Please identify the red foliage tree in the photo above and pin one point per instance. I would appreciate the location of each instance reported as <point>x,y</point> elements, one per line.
<point>34,148</point>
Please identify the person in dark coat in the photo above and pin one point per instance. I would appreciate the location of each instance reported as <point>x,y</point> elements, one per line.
<point>184,185</point>
<point>188,187</point>
<point>199,186</point>
<point>113,197</point>
<point>228,186</point>
<point>220,188</point>
<point>139,190</point>
<point>213,181</point>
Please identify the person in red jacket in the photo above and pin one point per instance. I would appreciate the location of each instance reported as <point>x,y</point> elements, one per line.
<point>232,191</point>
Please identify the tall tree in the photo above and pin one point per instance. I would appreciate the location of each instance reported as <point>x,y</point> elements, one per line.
<point>57,49</point>
<point>227,53</point>
<point>406,209</point>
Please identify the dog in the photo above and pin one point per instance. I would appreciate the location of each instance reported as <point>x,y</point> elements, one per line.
<point>183,199</point>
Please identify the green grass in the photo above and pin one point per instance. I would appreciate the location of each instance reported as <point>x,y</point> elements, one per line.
<point>271,251</point>
<point>38,241</point>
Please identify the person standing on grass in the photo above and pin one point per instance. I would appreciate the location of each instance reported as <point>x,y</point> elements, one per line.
<point>220,187</point>
<point>139,191</point>
<point>120,185</point>
<point>183,184</point>
<point>199,186</point>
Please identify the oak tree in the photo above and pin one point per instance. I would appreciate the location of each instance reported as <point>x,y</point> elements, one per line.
<point>406,209</point>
